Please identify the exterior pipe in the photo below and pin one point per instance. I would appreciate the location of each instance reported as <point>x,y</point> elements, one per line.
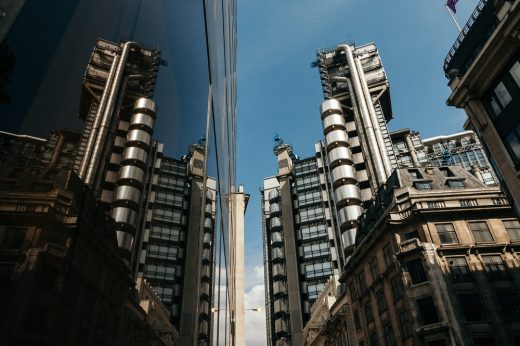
<point>82,170</point>
<point>413,152</point>
<point>370,134</point>
<point>107,114</point>
<point>373,118</point>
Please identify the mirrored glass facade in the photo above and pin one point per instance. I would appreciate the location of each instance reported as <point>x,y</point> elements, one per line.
<point>56,60</point>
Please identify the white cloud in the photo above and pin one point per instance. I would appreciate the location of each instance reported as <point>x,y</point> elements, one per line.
<point>256,334</point>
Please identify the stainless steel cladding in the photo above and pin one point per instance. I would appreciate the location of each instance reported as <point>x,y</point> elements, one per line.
<point>128,194</point>
<point>349,214</point>
<point>276,237</point>
<point>143,120</point>
<point>339,155</point>
<point>146,105</point>
<point>274,195</point>
<point>136,156</point>
<point>342,173</point>
<point>142,138</point>
<point>280,305</point>
<point>124,216</point>
<point>335,138</point>
<point>275,223</point>
<point>132,173</point>
<point>274,209</point>
<point>125,240</point>
<point>347,196</point>
<point>333,122</point>
<point>331,105</point>
<point>348,238</point>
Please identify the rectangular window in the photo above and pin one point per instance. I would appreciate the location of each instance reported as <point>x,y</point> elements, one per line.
<point>412,235</point>
<point>515,72</point>
<point>495,267</point>
<point>446,232</point>
<point>162,252</point>
<point>167,233</point>
<point>353,290</point>
<point>381,301</point>
<point>512,142</point>
<point>427,310</point>
<point>389,254</point>
<point>459,268</point>
<point>308,198</point>
<point>389,335</point>
<point>313,231</point>
<point>368,312</point>
<point>13,238</point>
<point>503,95</point>
<point>314,291</point>
<point>397,287</point>
<point>311,214</point>
<point>357,322</point>
<point>480,231</point>
<point>416,271</point>
<point>405,324</point>
<point>374,269</point>
<point>318,270</point>
<point>414,173</point>
<point>362,281</point>
<point>456,184</point>
<point>512,227</point>
<point>159,272</point>
<point>423,185</point>
<point>510,305</point>
<point>316,250</point>
<point>373,339</point>
<point>471,307</point>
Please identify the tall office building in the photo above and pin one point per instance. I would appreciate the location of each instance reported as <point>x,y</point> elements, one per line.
<point>311,207</point>
<point>483,69</point>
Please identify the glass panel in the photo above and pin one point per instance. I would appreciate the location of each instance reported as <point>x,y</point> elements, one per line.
<point>515,72</point>
<point>502,94</point>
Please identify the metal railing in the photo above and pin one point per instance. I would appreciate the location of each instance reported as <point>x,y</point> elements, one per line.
<point>463,34</point>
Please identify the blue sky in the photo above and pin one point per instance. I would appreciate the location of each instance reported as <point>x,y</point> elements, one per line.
<point>279,92</point>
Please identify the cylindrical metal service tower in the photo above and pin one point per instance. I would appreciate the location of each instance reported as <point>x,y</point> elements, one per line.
<point>343,173</point>
<point>128,195</point>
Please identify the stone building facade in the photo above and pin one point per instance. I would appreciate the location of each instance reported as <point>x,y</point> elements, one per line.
<point>437,263</point>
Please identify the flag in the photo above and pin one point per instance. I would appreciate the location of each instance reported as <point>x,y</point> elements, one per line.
<point>451,5</point>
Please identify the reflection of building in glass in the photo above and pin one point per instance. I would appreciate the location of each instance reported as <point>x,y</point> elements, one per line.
<point>483,68</point>
<point>117,155</point>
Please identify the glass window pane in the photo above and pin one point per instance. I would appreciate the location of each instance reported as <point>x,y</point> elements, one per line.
<point>503,95</point>
<point>515,72</point>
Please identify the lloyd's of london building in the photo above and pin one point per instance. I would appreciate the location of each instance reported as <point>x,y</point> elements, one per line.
<point>312,208</point>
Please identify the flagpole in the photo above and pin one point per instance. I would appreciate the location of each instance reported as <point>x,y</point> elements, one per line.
<point>453,18</point>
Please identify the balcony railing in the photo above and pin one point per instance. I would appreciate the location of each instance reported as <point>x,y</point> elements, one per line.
<point>471,39</point>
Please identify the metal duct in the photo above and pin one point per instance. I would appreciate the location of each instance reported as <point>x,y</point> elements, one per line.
<point>365,115</point>
<point>106,120</point>
<point>85,160</point>
<point>347,195</point>
<point>373,117</point>
<point>128,195</point>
